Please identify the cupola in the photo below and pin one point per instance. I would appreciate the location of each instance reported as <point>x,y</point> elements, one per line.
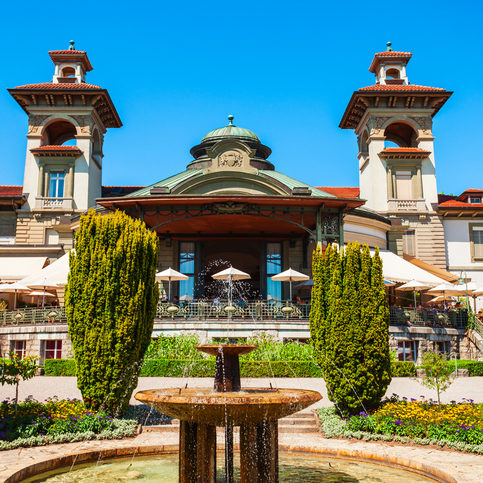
<point>70,65</point>
<point>390,67</point>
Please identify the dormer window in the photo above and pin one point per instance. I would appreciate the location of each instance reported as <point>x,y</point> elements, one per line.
<point>474,199</point>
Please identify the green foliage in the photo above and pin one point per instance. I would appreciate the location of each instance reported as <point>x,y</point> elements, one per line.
<point>59,367</point>
<point>110,300</point>
<point>437,372</point>
<point>14,370</point>
<point>333,425</point>
<point>403,369</point>
<point>349,324</point>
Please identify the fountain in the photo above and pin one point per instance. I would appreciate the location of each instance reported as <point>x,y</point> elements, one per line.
<point>256,411</point>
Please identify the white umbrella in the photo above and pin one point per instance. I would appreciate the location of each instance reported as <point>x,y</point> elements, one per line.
<point>413,285</point>
<point>43,294</point>
<point>290,276</point>
<point>186,298</point>
<point>15,288</point>
<point>170,275</point>
<point>231,274</point>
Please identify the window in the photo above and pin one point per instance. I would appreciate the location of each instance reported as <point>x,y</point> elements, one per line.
<point>407,350</point>
<point>56,184</point>
<point>474,199</point>
<point>51,237</point>
<point>403,185</point>
<point>53,349</point>
<point>19,347</point>
<point>409,245</point>
<point>274,266</point>
<point>187,266</point>
<point>476,242</point>
<point>443,347</point>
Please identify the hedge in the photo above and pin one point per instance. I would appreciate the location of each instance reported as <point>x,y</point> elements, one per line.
<point>200,368</point>
<point>403,369</point>
<point>59,367</point>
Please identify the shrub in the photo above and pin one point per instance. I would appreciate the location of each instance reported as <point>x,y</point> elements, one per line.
<point>110,300</point>
<point>349,322</point>
<point>403,369</point>
<point>436,372</point>
<point>59,367</point>
<point>181,346</point>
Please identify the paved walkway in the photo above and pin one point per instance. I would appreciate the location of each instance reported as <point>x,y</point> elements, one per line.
<point>65,387</point>
<point>452,466</point>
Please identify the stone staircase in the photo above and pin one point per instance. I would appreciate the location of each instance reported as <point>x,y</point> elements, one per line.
<point>302,422</point>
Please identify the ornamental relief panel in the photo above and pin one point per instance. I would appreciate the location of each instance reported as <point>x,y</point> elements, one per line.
<point>35,123</point>
<point>84,122</point>
<point>230,159</point>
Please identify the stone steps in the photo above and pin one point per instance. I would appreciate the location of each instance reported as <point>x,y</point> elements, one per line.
<point>302,422</point>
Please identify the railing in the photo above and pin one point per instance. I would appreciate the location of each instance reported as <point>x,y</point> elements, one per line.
<point>47,315</point>
<point>457,319</point>
<point>258,310</point>
<point>50,203</point>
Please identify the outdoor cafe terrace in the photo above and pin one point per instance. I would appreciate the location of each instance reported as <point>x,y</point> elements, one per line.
<point>262,310</point>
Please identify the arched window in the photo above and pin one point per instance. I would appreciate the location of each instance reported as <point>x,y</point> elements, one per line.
<point>393,73</point>
<point>68,72</point>
<point>400,134</point>
<point>58,133</point>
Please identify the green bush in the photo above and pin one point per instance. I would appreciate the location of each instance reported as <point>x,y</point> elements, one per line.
<point>59,367</point>
<point>349,323</point>
<point>110,302</point>
<point>403,369</point>
<point>206,368</point>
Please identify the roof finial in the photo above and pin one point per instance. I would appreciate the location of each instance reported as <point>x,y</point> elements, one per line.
<point>389,48</point>
<point>71,46</point>
<point>230,119</point>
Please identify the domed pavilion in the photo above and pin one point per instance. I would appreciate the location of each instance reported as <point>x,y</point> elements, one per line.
<point>231,207</point>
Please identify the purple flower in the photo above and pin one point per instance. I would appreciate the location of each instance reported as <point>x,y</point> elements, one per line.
<point>398,422</point>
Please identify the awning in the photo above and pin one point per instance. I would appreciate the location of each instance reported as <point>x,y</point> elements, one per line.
<point>396,269</point>
<point>52,275</point>
<point>16,268</point>
<point>438,272</point>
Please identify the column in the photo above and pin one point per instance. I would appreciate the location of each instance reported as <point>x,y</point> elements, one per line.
<point>40,187</point>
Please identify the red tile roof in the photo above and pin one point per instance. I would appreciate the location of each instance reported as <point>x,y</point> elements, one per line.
<point>56,147</point>
<point>459,204</point>
<point>60,85</point>
<point>69,52</point>
<point>393,53</point>
<point>401,88</point>
<point>341,192</point>
<point>379,56</point>
<point>10,190</point>
<point>404,150</point>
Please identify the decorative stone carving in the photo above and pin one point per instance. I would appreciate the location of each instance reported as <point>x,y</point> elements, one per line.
<point>424,123</point>
<point>230,207</point>
<point>330,224</point>
<point>230,159</point>
<point>35,123</point>
<point>84,123</point>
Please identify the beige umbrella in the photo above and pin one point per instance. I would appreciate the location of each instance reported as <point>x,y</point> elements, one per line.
<point>231,274</point>
<point>43,284</point>
<point>169,275</point>
<point>440,298</point>
<point>43,294</point>
<point>14,288</point>
<point>290,276</point>
<point>413,285</point>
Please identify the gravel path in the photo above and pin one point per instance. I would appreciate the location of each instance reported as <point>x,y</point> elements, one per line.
<point>65,387</point>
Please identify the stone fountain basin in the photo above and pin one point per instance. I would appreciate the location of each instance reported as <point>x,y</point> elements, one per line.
<point>203,405</point>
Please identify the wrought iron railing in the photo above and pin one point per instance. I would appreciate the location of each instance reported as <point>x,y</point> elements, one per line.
<point>457,319</point>
<point>47,315</point>
<point>257,310</point>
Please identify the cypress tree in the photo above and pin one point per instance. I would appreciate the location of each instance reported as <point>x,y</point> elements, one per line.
<point>111,297</point>
<point>351,338</point>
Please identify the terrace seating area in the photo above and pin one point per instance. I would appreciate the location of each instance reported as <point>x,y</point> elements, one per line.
<point>429,317</point>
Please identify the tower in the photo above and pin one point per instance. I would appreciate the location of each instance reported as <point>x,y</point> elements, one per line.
<point>393,120</point>
<point>67,122</point>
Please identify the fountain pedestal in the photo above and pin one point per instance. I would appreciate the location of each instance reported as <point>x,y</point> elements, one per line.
<point>255,410</point>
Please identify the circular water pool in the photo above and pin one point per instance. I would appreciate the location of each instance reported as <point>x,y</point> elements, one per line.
<point>294,468</point>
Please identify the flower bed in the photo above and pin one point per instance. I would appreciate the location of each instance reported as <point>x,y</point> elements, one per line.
<point>455,425</point>
<point>55,421</point>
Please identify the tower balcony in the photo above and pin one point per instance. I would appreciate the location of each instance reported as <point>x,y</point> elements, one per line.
<point>405,206</point>
<point>53,203</point>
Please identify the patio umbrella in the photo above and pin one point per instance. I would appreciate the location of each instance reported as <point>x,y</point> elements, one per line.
<point>440,298</point>
<point>231,274</point>
<point>413,285</point>
<point>14,288</point>
<point>170,275</point>
<point>43,284</point>
<point>290,276</point>
<point>38,293</point>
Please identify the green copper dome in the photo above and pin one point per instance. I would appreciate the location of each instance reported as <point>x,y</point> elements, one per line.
<point>230,131</point>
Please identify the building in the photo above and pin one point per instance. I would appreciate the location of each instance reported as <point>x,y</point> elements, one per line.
<point>229,206</point>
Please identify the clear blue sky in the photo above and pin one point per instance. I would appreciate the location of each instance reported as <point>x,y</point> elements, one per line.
<point>286,70</point>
